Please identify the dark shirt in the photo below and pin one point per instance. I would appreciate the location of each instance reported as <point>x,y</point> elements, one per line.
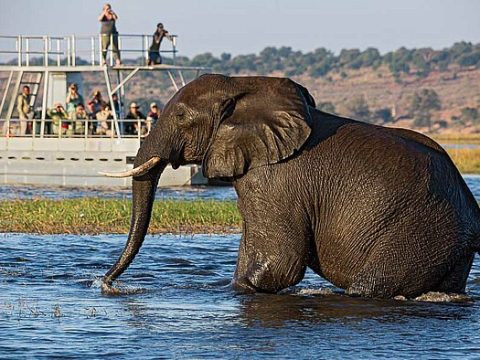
<point>108,26</point>
<point>139,115</point>
<point>157,39</point>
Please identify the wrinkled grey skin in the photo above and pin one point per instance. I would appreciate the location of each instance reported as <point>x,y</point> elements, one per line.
<point>379,212</point>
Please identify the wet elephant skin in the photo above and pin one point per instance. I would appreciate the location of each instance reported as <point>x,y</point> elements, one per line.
<point>377,211</point>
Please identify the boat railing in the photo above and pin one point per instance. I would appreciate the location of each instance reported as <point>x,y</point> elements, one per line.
<point>76,50</point>
<point>75,128</point>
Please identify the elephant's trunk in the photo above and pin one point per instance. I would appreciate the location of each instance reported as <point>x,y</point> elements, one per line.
<point>144,188</point>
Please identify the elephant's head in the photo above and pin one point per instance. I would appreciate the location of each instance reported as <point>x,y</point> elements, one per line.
<point>229,125</point>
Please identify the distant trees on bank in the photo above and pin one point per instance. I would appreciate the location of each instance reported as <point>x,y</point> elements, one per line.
<point>321,61</point>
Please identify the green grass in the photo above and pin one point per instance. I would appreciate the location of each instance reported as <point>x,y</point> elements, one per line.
<point>466,160</point>
<point>457,138</point>
<point>92,216</point>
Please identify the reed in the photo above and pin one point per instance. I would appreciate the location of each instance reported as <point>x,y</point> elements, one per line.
<point>466,160</point>
<point>457,138</point>
<point>93,216</point>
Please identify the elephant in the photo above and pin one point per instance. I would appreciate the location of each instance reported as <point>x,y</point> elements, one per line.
<point>377,211</point>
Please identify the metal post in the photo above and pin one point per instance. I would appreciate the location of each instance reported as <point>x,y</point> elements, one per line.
<point>100,49</point>
<point>19,49</point>
<point>58,53</point>
<point>174,48</point>
<point>44,103</point>
<point>110,52</point>
<point>109,91</point>
<point>145,48</point>
<point>27,52</point>
<point>92,48</point>
<point>182,79</point>
<point>45,50</point>
<point>74,50</point>
<point>68,51</point>
<point>172,80</point>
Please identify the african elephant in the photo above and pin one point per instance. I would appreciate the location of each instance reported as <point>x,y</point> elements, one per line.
<point>377,211</point>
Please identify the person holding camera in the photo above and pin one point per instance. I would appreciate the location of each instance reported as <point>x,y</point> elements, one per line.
<point>154,56</point>
<point>109,33</point>
<point>73,98</point>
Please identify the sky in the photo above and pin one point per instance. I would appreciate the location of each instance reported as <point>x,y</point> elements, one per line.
<point>248,26</point>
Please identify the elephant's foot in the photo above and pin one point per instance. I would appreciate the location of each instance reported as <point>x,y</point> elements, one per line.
<point>109,290</point>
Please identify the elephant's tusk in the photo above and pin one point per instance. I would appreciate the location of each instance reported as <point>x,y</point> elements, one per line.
<point>138,171</point>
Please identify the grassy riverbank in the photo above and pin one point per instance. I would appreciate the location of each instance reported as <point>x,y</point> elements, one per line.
<point>467,160</point>
<point>92,216</point>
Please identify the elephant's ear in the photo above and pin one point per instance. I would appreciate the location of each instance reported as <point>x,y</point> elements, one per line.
<point>264,125</point>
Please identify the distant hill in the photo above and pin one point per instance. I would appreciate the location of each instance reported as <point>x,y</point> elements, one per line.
<point>427,89</point>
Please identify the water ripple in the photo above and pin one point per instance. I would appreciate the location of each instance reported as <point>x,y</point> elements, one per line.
<point>51,306</point>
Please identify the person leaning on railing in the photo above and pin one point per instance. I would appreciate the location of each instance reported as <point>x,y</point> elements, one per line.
<point>79,118</point>
<point>154,56</point>
<point>108,32</point>
<point>104,124</point>
<point>59,116</point>
<point>152,116</point>
<point>131,128</point>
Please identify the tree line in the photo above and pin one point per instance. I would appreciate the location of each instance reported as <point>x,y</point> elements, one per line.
<point>321,61</point>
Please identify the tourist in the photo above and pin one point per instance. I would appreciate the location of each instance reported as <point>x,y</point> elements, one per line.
<point>109,33</point>
<point>117,107</point>
<point>132,128</point>
<point>104,124</point>
<point>96,103</point>
<point>73,99</point>
<point>79,118</point>
<point>24,109</point>
<point>59,119</point>
<point>152,116</point>
<point>154,56</point>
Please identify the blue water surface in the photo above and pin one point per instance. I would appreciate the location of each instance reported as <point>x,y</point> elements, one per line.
<point>51,307</point>
<point>185,193</point>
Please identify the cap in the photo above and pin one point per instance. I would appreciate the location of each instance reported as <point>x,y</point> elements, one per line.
<point>153,104</point>
<point>134,105</point>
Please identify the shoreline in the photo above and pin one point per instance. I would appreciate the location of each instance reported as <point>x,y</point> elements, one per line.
<point>93,216</point>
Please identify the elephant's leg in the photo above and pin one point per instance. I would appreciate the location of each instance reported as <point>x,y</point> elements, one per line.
<point>456,280</point>
<point>386,276</point>
<point>270,258</point>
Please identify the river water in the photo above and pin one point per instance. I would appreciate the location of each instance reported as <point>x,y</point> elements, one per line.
<point>51,307</point>
<point>185,193</point>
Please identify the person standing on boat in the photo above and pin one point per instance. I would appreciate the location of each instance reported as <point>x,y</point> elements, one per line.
<point>73,99</point>
<point>109,33</point>
<point>24,109</point>
<point>154,57</point>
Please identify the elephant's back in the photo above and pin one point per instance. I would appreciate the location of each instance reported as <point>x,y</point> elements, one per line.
<point>386,194</point>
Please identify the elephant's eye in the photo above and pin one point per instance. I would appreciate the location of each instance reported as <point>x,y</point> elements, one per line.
<point>180,114</point>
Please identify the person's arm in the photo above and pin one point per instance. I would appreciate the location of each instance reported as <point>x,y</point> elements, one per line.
<point>67,100</point>
<point>102,15</point>
<point>168,36</point>
<point>114,15</point>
